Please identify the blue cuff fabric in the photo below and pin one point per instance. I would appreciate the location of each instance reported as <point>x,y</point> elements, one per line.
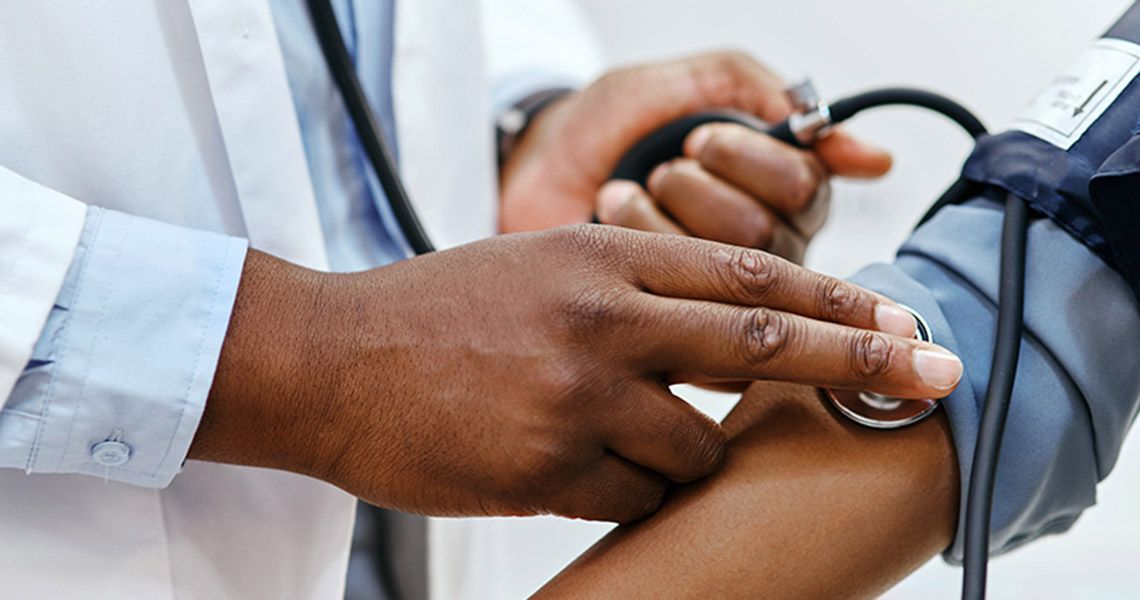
<point>1077,389</point>
<point>119,377</point>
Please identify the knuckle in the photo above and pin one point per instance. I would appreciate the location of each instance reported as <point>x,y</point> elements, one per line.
<point>609,77</point>
<point>871,354</point>
<point>735,78</point>
<point>765,334</point>
<point>718,148</point>
<point>684,167</point>
<point>738,57</point>
<point>802,186</point>
<point>732,64</point>
<point>596,309</point>
<point>615,79</point>
<point>592,240</point>
<point>838,301</point>
<point>677,176</point>
<point>718,85</point>
<point>729,57</point>
<point>589,310</point>
<point>662,176</point>
<point>752,275</point>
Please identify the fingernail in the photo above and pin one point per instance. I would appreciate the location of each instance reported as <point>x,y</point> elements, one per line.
<point>656,176</point>
<point>939,370</point>
<point>697,140</point>
<point>894,320</point>
<point>613,197</point>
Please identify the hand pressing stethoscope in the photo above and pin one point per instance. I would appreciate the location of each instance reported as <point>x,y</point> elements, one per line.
<point>812,119</point>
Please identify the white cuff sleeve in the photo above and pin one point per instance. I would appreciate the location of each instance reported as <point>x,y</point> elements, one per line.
<point>39,230</point>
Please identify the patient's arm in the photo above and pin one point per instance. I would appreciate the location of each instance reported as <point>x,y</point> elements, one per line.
<point>807,506</point>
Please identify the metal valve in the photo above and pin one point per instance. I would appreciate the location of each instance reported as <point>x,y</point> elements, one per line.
<point>811,117</point>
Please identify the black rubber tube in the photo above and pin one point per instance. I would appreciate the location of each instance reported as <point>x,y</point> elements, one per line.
<point>666,142</point>
<point>368,128</point>
<point>961,189</point>
<point>843,109</point>
<point>1007,346</point>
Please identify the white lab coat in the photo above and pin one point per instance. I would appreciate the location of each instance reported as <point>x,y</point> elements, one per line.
<point>179,110</point>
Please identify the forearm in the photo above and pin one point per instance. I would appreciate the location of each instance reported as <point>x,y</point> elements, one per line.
<point>807,506</point>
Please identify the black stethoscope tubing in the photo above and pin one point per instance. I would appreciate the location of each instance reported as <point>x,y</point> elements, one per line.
<point>367,126</point>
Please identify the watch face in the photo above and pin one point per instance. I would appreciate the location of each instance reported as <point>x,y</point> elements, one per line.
<point>884,412</point>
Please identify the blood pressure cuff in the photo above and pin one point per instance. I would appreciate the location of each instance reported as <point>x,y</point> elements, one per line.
<point>1074,154</point>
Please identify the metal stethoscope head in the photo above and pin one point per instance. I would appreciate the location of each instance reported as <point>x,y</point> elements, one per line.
<point>884,412</point>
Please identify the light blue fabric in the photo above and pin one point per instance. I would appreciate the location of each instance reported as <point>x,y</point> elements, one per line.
<point>360,230</point>
<point>1078,385</point>
<point>128,353</point>
<point>130,349</point>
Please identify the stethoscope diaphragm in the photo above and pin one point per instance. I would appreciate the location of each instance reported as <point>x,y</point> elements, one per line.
<point>884,412</point>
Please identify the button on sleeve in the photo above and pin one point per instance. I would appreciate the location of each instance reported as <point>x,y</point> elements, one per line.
<point>119,378</point>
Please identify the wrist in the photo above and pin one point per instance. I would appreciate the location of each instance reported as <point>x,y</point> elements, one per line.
<point>266,402</point>
<point>544,182</point>
<point>521,117</point>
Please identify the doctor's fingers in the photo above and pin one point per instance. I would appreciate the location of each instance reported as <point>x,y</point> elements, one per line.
<point>850,157</point>
<point>625,204</point>
<point>705,215</point>
<point>710,341</point>
<point>693,269</point>
<point>792,182</point>
<point>651,427</point>
<point>713,209</point>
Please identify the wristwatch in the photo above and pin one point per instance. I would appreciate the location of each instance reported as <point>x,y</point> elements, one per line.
<point>513,123</point>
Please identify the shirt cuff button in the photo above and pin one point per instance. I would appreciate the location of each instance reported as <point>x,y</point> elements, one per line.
<point>111,453</point>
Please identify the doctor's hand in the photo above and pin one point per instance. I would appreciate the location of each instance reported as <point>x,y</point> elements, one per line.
<point>529,374</point>
<point>734,185</point>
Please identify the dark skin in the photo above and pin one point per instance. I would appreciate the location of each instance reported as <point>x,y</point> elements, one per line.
<point>529,374</point>
<point>733,185</point>
<point>808,505</point>
<point>411,387</point>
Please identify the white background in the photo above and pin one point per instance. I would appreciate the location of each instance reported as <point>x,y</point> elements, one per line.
<point>993,55</point>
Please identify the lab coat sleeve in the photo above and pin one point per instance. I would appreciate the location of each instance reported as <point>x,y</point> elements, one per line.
<point>39,231</point>
<point>1077,386</point>
<point>532,46</point>
<point>120,322</point>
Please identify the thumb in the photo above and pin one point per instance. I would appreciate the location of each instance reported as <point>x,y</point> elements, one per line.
<point>846,155</point>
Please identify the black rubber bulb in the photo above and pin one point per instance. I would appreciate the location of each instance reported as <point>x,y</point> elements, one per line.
<point>668,141</point>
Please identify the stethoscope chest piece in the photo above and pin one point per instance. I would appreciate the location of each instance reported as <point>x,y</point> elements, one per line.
<point>884,412</point>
